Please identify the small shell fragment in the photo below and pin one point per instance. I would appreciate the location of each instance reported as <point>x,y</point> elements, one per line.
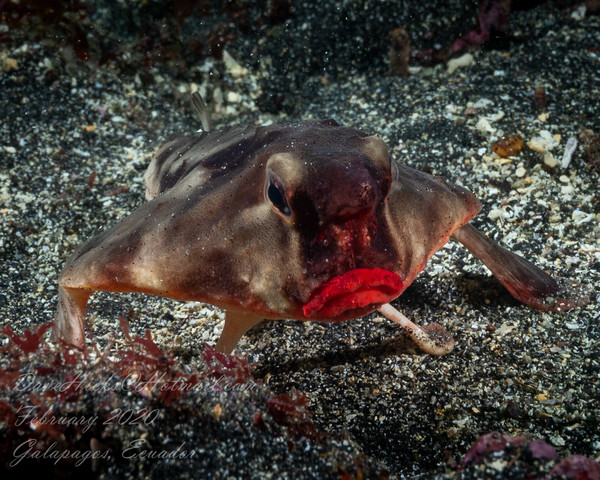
<point>460,62</point>
<point>542,117</point>
<point>543,142</point>
<point>570,148</point>
<point>484,126</point>
<point>233,68</point>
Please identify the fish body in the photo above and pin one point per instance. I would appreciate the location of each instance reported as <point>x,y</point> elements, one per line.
<point>309,221</point>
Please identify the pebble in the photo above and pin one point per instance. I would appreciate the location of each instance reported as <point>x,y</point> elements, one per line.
<point>567,189</point>
<point>549,160</point>
<point>10,64</point>
<point>233,67</point>
<point>557,440</point>
<point>234,97</point>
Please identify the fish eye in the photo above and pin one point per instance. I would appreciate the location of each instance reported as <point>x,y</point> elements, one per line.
<point>275,192</point>
<point>276,198</point>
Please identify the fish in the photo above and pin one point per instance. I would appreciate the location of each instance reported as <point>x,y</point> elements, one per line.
<point>311,221</point>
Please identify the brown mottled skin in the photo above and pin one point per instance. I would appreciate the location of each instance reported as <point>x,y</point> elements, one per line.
<point>256,219</point>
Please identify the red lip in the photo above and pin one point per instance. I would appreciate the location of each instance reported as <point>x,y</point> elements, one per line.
<point>354,289</point>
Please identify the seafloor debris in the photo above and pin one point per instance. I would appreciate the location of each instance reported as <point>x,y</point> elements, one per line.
<point>399,52</point>
<point>509,146</point>
<point>570,148</point>
<point>539,98</point>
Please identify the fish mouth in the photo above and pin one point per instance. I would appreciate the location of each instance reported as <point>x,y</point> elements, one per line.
<point>355,289</point>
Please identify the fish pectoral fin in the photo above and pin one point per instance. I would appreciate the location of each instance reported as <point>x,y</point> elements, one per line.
<point>70,313</point>
<point>236,324</point>
<point>432,339</point>
<point>526,282</point>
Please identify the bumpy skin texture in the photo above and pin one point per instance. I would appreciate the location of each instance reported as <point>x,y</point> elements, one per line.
<point>261,220</point>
